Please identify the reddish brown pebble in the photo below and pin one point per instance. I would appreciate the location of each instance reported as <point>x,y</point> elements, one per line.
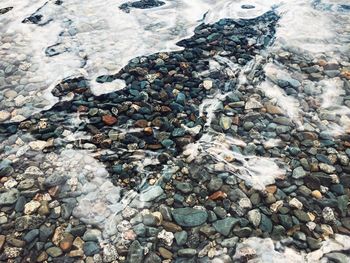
<point>141,123</point>
<point>109,120</point>
<point>271,189</point>
<point>218,195</point>
<point>67,242</point>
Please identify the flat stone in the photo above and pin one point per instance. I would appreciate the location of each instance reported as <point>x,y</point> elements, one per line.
<point>253,103</point>
<point>165,253</point>
<point>4,115</point>
<point>225,226</point>
<point>302,216</point>
<point>215,184</point>
<point>312,182</point>
<point>54,252</point>
<point>37,145</point>
<point>2,241</point>
<point>9,197</point>
<point>254,217</point>
<point>230,242</point>
<point>91,248</point>
<point>187,252</point>
<point>225,122</point>
<point>31,207</point>
<point>55,180</point>
<point>338,257</point>
<point>180,238</point>
<point>28,222</point>
<point>135,254</point>
<point>266,224</point>
<point>295,203</point>
<point>151,193</point>
<point>299,173</point>
<point>189,217</point>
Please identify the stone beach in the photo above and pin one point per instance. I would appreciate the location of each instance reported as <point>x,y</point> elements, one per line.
<point>233,148</point>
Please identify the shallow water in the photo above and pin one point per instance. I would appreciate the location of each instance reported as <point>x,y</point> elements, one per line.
<point>94,38</point>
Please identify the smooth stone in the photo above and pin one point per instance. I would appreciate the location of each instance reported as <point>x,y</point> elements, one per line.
<point>225,122</point>
<point>55,180</point>
<point>181,238</point>
<point>152,258</point>
<point>151,193</point>
<point>187,252</point>
<point>9,197</point>
<point>266,224</point>
<point>189,217</point>
<point>243,232</point>
<point>215,184</point>
<point>254,217</point>
<point>225,226</point>
<point>184,187</point>
<point>29,237</point>
<point>312,182</point>
<point>4,115</point>
<point>91,248</point>
<point>299,173</point>
<point>230,242</point>
<point>54,252</point>
<point>165,253</point>
<point>6,170</point>
<point>338,257</point>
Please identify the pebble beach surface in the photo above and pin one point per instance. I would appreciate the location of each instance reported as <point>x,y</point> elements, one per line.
<point>210,131</point>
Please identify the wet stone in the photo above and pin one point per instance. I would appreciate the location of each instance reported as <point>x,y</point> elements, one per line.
<point>9,197</point>
<point>180,238</point>
<point>135,254</point>
<point>215,184</point>
<point>187,252</point>
<point>54,252</point>
<point>91,248</point>
<point>189,217</point>
<point>55,180</point>
<point>225,226</point>
<point>151,193</point>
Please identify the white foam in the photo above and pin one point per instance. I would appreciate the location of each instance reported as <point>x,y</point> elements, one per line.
<point>265,251</point>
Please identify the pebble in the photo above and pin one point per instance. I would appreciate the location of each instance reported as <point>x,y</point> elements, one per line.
<point>54,252</point>
<point>299,173</point>
<point>295,203</point>
<point>189,217</point>
<point>9,197</point>
<point>31,207</point>
<point>91,248</point>
<point>328,214</point>
<point>151,193</point>
<point>254,217</point>
<point>165,253</point>
<point>181,238</point>
<point>4,115</point>
<point>317,194</point>
<point>215,184</point>
<point>225,226</point>
<point>207,84</point>
<point>187,252</point>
